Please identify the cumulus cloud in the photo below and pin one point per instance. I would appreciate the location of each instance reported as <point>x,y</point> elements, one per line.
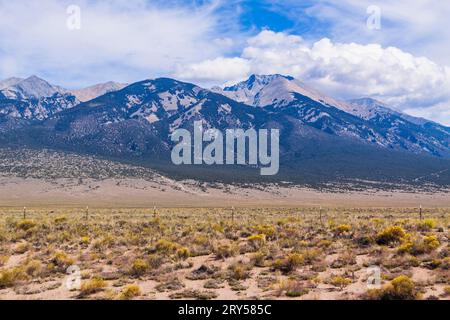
<point>343,70</point>
<point>419,26</point>
<point>219,69</point>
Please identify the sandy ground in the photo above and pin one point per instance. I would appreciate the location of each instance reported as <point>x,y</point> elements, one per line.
<point>167,193</point>
<point>55,289</point>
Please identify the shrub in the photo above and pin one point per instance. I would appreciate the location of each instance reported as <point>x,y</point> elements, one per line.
<point>377,221</point>
<point>193,294</point>
<point>26,225</point>
<point>257,241</point>
<point>218,228</point>
<point>445,263</point>
<point>85,240</point>
<point>447,291</point>
<point>33,268</point>
<point>166,246</point>
<point>342,229</point>
<point>139,267</point>
<point>103,243</point>
<point>310,256</point>
<point>431,243</point>
<point>155,261</point>
<point>171,285</point>
<point>324,243</point>
<point>239,271</point>
<point>92,286</point>
<point>293,288</point>
<point>201,240</point>
<point>417,247</point>
<point>183,253</point>
<point>129,292</point>
<point>22,248</point>
<point>62,261</point>
<point>9,277</point>
<point>426,225</point>
<point>391,235</point>
<point>289,263</point>
<point>268,231</point>
<point>340,282</point>
<point>401,288</point>
<point>3,260</point>
<point>258,259</point>
<point>225,251</point>
<point>60,220</point>
<point>364,241</point>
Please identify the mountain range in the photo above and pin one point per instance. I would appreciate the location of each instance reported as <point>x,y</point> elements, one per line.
<point>323,140</point>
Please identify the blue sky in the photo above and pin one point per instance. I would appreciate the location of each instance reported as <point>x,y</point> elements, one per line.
<point>325,43</point>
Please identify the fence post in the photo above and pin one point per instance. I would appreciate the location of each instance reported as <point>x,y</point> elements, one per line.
<point>232,215</point>
<point>320,215</point>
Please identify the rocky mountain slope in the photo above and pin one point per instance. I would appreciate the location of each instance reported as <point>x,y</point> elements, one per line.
<point>376,123</point>
<point>97,90</point>
<point>322,141</point>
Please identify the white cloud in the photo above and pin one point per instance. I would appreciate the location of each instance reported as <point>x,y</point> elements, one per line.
<point>440,112</point>
<point>119,39</point>
<point>342,70</point>
<point>419,26</point>
<point>219,69</point>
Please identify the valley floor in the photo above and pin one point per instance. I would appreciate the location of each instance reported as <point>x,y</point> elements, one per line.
<point>164,192</point>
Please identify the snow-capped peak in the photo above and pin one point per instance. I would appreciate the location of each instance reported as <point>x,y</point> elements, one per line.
<point>9,82</point>
<point>368,108</point>
<point>276,90</point>
<point>31,88</point>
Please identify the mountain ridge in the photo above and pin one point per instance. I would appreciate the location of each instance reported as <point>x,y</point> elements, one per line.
<point>319,142</point>
<point>385,126</point>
